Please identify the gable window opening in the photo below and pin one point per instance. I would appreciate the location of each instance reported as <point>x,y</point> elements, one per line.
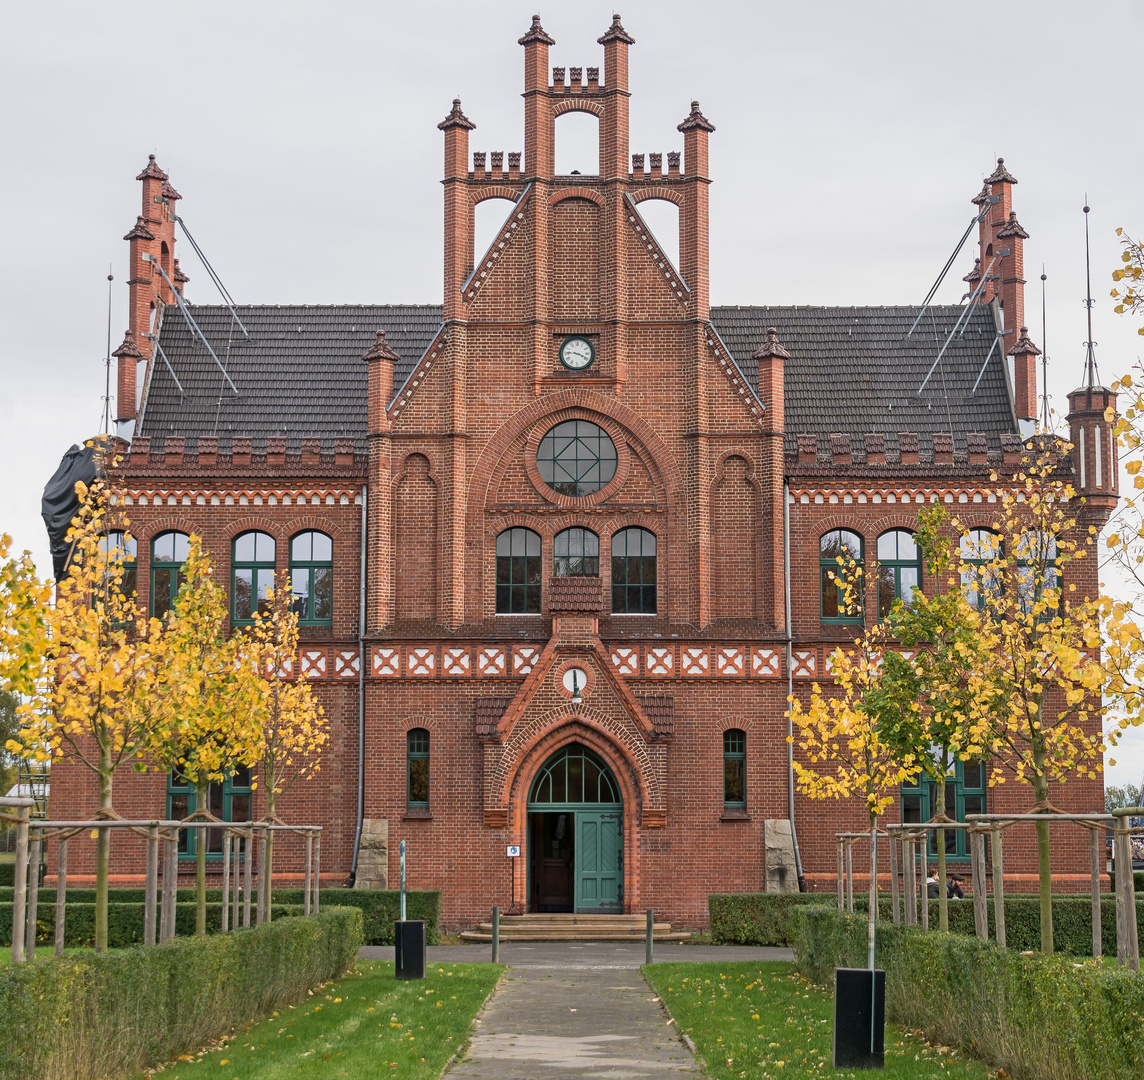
<point>964,794</point>
<point>169,551</point>
<point>899,570</point>
<point>518,572</point>
<point>576,553</point>
<point>312,578</point>
<point>734,769</point>
<point>634,572</point>
<point>837,605</point>
<point>252,576</point>
<point>417,768</point>
<point>228,800</point>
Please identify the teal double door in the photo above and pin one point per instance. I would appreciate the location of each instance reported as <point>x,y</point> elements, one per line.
<point>576,859</point>
<point>599,860</point>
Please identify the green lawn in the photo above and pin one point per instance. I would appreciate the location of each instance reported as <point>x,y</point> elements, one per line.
<point>363,1026</point>
<point>761,1020</point>
<point>41,952</point>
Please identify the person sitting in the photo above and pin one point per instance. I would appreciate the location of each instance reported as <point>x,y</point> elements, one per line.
<point>932,886</point>
<point>953,888</point>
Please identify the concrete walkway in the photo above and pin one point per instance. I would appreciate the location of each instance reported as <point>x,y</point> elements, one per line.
<point>578,1010</point>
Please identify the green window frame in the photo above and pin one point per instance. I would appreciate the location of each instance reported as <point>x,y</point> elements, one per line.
<point>899,570</point>
<point>312,578</point>
<point>114,543</point>
<point>634,554</point>
<point>734,768</point>
<point>169,550</point>
<point>1038,569</point>
<point>980,551</point>
<point>834,545</point>
<point>417,767</point>
<point>518,572</point>
<point>576,458</point>
<point>229,799</point>
<point>252,564</point>
<point>576,553</point>
<point>965,793</point>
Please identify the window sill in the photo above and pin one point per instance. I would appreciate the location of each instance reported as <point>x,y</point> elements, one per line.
<point>734,813</point>
<point>417,813</point>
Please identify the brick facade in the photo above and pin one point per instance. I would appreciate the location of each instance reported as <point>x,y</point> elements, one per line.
<point>447,460</point>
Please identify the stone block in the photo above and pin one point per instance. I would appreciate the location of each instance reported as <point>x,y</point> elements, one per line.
<point>373,855</point>
<point>782,871</point>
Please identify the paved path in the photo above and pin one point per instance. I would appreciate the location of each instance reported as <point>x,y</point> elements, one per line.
<point>579,1011</point>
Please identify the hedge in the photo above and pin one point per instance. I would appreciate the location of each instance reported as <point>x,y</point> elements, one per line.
<point>768,919</point>
<point>113,1014</point>
<point>1137,879</point>
<point>379,908</point>
<point>1036,1016</point>
<point>7,875</point>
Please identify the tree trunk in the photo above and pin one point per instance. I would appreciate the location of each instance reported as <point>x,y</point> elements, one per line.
<point>942,895</point>
<point>266,880</point>
<point>202,800</point>
<point>873,916</point>
<point>1044,865</point>
<point>102,855</point>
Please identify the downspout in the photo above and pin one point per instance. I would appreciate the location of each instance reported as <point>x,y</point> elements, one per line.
<point>361,688</point>
<point>790,686</point>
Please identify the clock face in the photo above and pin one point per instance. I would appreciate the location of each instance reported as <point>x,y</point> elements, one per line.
<point>577,353</point>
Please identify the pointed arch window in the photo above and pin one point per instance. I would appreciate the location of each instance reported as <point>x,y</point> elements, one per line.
<point>634,572</point>
<point>312,578</point>
<point>518,572</point>
<point>252,575</point>
<point>169,551</point>
<point>899,570</point>
<point>838,550</point>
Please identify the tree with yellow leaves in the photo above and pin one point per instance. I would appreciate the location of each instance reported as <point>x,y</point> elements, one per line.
<point>291,728</point>
<point>211,696</point>
<point>97,705</point>
<point>1034,702</point>
<point>24,602</point>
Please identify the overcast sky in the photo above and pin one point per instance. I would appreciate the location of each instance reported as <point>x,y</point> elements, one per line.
<point>850,138</point>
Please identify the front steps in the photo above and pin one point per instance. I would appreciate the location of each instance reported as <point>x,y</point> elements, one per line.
<point>569,927</point>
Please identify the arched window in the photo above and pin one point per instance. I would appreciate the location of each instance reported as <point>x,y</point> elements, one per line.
<point>119,546</point>
<point>518,572</point>
<point>227,799</point>
<point>252,575</point>
<point>839,551</point>
<point>417,767</point>
<point>576,553</point>
<point>899,570</point>
<point>981,572</point>
<point>574,775</point>
<point>169,551</point>
<point>633,572</point>
<point>312,578</point>
<point>734,768</point>
<point>1038,572</point>
<point>576,458</point>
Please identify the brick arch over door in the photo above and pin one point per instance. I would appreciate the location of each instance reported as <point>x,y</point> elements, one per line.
<point>415,541</point>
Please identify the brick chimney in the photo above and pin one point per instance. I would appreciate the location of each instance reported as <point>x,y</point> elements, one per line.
<point>694,215</point>
<point>1025,354</point>
<point>771,358</point>
<point>1094,451</point>
<point>458,209</point>
<point>380,360</point>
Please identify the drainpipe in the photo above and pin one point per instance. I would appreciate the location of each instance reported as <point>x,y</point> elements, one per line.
<point>361,688</point>
<point>790,685</point>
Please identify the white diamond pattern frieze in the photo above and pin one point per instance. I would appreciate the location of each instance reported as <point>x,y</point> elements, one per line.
<point>731,661</point>
<point>421,660</point>
<point>626,660</point>
<point>694,660</point>
<point>524,659</point>
<point>346,663</point>
<point>491,660</point>
<point>387,662</point>
<point>764,662</point>
<point>314,663</point>
<point>660,660</point>
<point>805,663</point>
<point>455,661</point>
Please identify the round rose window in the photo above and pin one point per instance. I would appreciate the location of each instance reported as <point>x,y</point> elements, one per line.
<point>576,458</point>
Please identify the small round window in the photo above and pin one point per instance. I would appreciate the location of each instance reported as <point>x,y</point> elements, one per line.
<point>576,458</point>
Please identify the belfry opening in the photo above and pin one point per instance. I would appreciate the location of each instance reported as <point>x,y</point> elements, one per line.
<point>576,837</point>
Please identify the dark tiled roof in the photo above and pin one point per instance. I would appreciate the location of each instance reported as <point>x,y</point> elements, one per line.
<point>852,370</point>
<point>574,594</point>
<point>660,710</point>
<point>487,712</point>
<point>302,371</point>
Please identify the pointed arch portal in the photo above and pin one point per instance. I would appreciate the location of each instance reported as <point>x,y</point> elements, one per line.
<point>576,835</point>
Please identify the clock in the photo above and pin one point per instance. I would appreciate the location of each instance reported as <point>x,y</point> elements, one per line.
<point>577,353</point>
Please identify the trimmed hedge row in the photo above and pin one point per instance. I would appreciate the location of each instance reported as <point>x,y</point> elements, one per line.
<point>379,909</point>
<point>768,919</point>
<point>7,874</point>
<point>1034,1015</point>
<point>113,1014</point>
<point>1137,879</point>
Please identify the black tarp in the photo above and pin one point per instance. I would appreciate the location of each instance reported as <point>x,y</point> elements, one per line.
<point>60,502</point>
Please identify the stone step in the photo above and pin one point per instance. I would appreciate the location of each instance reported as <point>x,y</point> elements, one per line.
<point>582,934</point>
<point>626,929</point>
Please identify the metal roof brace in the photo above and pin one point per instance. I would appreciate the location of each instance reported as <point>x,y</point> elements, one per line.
<point>985,365</point>
<point>226,297</point>
<point>990,200</point>
<point>190,319</point>
<point>163,357</point>
<point>987,276</point>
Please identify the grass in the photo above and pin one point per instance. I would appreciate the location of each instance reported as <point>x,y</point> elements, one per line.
<point>362,1026</point>
<point>41,952</point>
<point>763,1020</point>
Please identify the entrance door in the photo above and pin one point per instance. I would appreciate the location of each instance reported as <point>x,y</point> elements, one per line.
<point>553,852</point>
<point>599,870</point>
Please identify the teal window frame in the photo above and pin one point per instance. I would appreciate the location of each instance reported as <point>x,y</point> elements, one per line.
<point>635,588</point>
<point>922,792</point>
<point>828,563</point>
<point>891,571</point>
<point>307,603</point>
<point>417,746</point>
<point>518,572</point>
<point>969,549</point>
<point>577,458</point>
<point>182,801</point>
<point>111,543</point>
<point>1027,555</point>
<point>162,599</point>
<point>261,570</point>
<point>735,768</point>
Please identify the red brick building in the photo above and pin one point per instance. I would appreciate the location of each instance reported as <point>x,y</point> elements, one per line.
<point>556,543</point>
